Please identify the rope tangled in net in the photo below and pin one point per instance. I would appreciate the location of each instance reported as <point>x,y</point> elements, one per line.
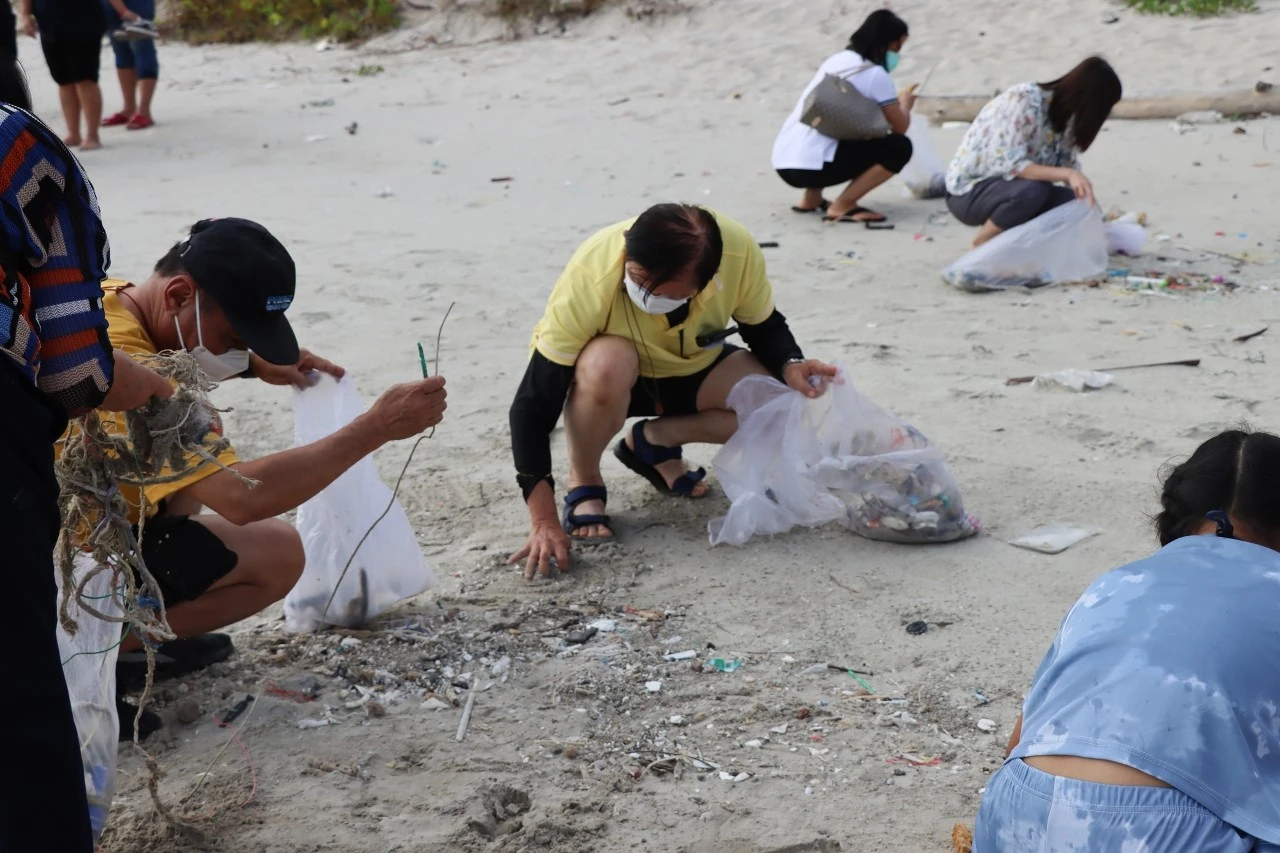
<point>164,442</point>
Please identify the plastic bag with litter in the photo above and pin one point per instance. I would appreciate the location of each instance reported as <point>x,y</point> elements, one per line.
<point>1067,243</point>
<point>388,566</point>
<point>925,174</point>
<point>90,673</point>
<point>840,457</point>
<point>1125,238</point>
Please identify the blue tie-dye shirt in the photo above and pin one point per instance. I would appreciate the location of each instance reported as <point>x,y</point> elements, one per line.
<point>1172,665</point>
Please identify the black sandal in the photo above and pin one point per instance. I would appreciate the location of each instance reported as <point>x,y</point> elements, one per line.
<point>822,208</point>
<point>851,216</point>
<point>646,456</point>
<point>574,522</point>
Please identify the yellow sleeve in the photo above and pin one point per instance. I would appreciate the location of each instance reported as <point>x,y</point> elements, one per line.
<point>576,312</point>
<point>755,293</point>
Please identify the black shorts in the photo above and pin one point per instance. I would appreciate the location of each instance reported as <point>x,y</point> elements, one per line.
<point>853,157</point>
<point>184,556</point>
<point>673,395</point>
<point>72,61</point>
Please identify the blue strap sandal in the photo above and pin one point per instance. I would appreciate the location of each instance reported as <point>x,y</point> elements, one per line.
<point>574,522</point>
<point>645,456</point>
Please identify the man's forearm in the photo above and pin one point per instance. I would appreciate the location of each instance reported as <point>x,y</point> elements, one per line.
<point>287,479</point>
<point>542,504</point>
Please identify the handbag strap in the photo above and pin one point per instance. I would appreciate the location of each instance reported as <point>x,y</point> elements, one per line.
<point>855,72</point>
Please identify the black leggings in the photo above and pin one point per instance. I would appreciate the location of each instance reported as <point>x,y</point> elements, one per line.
<point>853,157</point>
<point>1007,203</point>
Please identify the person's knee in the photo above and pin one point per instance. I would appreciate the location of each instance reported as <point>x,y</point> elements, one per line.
<point>279,552</point>
<point>897,152</point>
<point>1027,200</point>
<point>606,370</point>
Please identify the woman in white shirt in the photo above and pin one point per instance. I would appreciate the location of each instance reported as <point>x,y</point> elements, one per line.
<point>808,160</point>
<point>1025,145</point>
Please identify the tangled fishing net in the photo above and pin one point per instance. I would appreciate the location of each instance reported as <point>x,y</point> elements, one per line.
<point>162,443</point>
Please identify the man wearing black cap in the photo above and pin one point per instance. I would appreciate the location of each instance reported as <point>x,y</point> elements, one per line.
<point>221,294</point>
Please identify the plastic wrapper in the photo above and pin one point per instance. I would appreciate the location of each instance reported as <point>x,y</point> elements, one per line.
<point>91,682</point>
<point>1067,243</point>
<point>1125,238</point>
<point>838,458</point>
<point>1054,538</point>
<point>925,174</point>
<point>388,566</point>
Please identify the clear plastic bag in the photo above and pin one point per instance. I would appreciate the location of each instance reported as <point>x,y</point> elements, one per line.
<point>925,174</point>
<point>799,461</point>
<point>91,681</point>
<point>1125,238</point>
<point>389,565</point>
<point>1067,243</point>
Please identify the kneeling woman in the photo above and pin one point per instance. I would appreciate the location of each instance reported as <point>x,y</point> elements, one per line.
<point>1021,156</point>
<point>808,160</point>
<point>1154,720</point>
<point>636,327</point>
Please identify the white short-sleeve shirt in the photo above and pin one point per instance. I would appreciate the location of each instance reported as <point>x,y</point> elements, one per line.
<point>799,146</point>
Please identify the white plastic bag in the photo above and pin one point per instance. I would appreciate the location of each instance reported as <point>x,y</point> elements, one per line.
<point>1066,244</point>
<point>389,565</point>
<point>91,681</point>
<point>839,458</point>
<point>925,174</point>
<point>1125,238</point>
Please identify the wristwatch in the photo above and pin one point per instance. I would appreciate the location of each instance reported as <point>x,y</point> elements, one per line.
<point>792,361</point>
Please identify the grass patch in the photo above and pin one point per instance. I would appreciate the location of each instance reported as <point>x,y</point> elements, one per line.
<point>1192,8</point>
<point>235,21</point>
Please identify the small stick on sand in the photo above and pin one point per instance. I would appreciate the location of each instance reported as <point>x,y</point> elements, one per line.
<point>466,715</point>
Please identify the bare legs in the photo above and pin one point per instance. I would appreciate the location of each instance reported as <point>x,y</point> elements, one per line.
<point>857,188</point>
<point>76,98</point>
<point>136,93</point>
<point>988,230</point>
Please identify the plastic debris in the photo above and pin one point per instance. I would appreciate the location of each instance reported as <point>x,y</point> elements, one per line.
<point>1054,538</point>
<point>435,703</point>
<point>688,654</point>
<point>754,743</point>
<point>722,665</point>
<point>310,723</point>
<point>987,725</point>
<point>653,686</point>
<point>1074,379</point>
<point>917,628</point>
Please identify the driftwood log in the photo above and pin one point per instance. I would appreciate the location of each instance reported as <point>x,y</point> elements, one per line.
<point>940,108</point>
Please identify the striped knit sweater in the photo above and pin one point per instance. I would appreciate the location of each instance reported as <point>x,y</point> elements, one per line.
<point>54,255</point>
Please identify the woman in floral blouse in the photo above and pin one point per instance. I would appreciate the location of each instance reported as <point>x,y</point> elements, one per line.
<point>1025,145</point>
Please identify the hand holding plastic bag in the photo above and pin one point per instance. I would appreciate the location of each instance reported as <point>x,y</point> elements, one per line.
<point>387,567</point>
<point>1067,243</point>
<point>840,457</point>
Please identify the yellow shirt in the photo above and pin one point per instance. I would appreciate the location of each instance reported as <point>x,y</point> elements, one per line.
<point>589,300</point>
<point>126,333</point>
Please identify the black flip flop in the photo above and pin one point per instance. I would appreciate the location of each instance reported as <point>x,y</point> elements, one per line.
<point>822,208</point>
<point>851,216</point>
<point>574,522</point>
<point>643,459</point>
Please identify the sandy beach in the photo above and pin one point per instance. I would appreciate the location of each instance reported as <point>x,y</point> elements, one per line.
<point>393,222</point>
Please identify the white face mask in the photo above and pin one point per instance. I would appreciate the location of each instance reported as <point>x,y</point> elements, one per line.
<point>650,303</point>
<point>218,367</point>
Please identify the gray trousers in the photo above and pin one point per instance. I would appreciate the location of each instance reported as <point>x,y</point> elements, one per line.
<point>1007,203</point>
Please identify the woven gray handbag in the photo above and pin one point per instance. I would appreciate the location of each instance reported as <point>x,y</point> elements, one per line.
<point>835,108</point>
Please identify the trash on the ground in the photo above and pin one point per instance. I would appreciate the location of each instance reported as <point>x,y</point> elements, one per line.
<point>1125,238</point>
<point>754,743</point>
<point>578,636</point>
<point>981,697</point>
<point>987,725</point>
<point>779,730</point>
<point>500,667</point>
<point>917,628</point>
<point>688,654</point>
<point>1054,538</point>
<point>352,128</point>
<point>1068,243</point>
<point>435,703</point>
<point>676,720</point>
<point>1189,362</point>
<point>913,760</point>
<point>604,626</point>
<point>1074,379</point>
<point>502,180</point>
<point>316,137</point>
<point>1201,117</point>
<point>385,192</point>
<point>816,669</point>
<point>653,686</point>
<point>312,723</point>
<point>769,244</point>
<point>722,665</point>
<point>323,102</point>
<point>1250,336</point>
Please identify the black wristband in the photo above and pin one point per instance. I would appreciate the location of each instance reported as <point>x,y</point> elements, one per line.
<point>528,482</point>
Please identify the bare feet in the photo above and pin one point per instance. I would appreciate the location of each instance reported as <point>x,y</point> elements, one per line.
<point>811,201</point>
<point>91,144</point>
<point>71,141</point>
<point>591,507</point>
<point>672,468</point>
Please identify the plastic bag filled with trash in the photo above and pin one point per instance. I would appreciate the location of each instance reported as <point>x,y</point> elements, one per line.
<point>840,457</point>
<point>925,174</point>
<point>1067,243</point>
<point>387,567</point>
<point>89,666</point>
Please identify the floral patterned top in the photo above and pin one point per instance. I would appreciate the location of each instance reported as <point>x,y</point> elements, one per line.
<point>1011,133</point>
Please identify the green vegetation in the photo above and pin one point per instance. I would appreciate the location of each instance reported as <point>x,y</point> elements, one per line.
<point>1192,8</point>
<point>204,21</point>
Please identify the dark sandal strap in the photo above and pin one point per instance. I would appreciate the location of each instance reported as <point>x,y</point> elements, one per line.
<point>649,453</point>
<point>684,484</point>
<point>585,493</point>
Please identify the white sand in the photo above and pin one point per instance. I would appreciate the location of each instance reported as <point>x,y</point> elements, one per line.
<point>706,94</point>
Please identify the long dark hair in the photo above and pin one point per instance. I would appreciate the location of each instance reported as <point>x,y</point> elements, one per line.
<point>669,240</point>
<point>1237,472</point>
<point>13,83</point>
<point>881,29</point>
<point>1082,100</point>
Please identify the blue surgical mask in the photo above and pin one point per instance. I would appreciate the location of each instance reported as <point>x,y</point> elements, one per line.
<point>891,61</point>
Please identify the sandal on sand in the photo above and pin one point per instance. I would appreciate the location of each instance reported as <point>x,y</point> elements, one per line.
<point>116,120</point>
<point>645,456</point>
<point>574,522</point>
<point>822,208</point>
<point>858,214</point>
<point>140,122</point>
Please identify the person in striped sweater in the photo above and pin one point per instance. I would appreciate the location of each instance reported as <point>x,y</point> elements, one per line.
<point>56,362</point>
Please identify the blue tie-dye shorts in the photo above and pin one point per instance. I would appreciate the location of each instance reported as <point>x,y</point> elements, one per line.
<point>1028,811</point>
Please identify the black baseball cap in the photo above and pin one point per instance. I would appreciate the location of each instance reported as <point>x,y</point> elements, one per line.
<point>251,276</point>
